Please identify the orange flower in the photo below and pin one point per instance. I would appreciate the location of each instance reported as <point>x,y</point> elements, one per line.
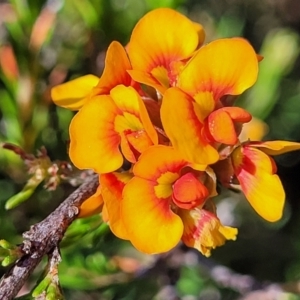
<point>255,171</point>
<point>73,94</point>
<point>109,127</point>
<point>164,184</point>
<point>167,195</point>
<point>193,115</point>
<point>160,45</point>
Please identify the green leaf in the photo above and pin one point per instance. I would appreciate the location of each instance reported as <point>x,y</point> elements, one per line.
<point>19,198</point>
<point>272,69</point>
<point>42,286</point>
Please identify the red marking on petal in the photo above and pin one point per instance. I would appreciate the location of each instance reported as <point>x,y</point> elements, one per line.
<point>112,185</point>
<point>203,230</point>
<point>255,172</point>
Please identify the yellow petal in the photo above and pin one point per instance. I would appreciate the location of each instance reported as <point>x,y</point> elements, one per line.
<point>74,93</point>
<point>262,188</point>
<point>201,33</point>
<point>265,194</point>
<point>255,130</point>
<point>225,66</point>
<point>205,105</point>
<point>276,147</point>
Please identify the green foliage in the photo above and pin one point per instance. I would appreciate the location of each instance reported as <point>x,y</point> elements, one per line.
<point>272,71</point>
<point>9,253</point>
<point>191,282</point>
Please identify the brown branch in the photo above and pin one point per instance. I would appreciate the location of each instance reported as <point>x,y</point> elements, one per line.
<point>43,237</point>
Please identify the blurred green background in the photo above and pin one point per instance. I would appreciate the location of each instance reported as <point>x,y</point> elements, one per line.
<point>44,43</point>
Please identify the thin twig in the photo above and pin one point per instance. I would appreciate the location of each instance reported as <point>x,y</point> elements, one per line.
<point>43,237</point>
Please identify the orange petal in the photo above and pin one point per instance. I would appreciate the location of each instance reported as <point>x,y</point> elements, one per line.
<point>227,66</point>
<point>112,188</point>
<point>92,205</point>
<point>158,160</point>
<point>127,150</point>
<point>184,129</point>
<point>276,147</point>
<point>221,127</point>
<point>204,231</point>
<point>73,94</point>
<point>150,223</point>
<point>94,141</point>
<point>262,188</point>
<point>159,38</point>
<point>115,71</point>
<point>189,192</point>
<point>139,140</point>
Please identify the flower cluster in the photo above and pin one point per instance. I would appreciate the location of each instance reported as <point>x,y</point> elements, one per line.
<point>160,128</point>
